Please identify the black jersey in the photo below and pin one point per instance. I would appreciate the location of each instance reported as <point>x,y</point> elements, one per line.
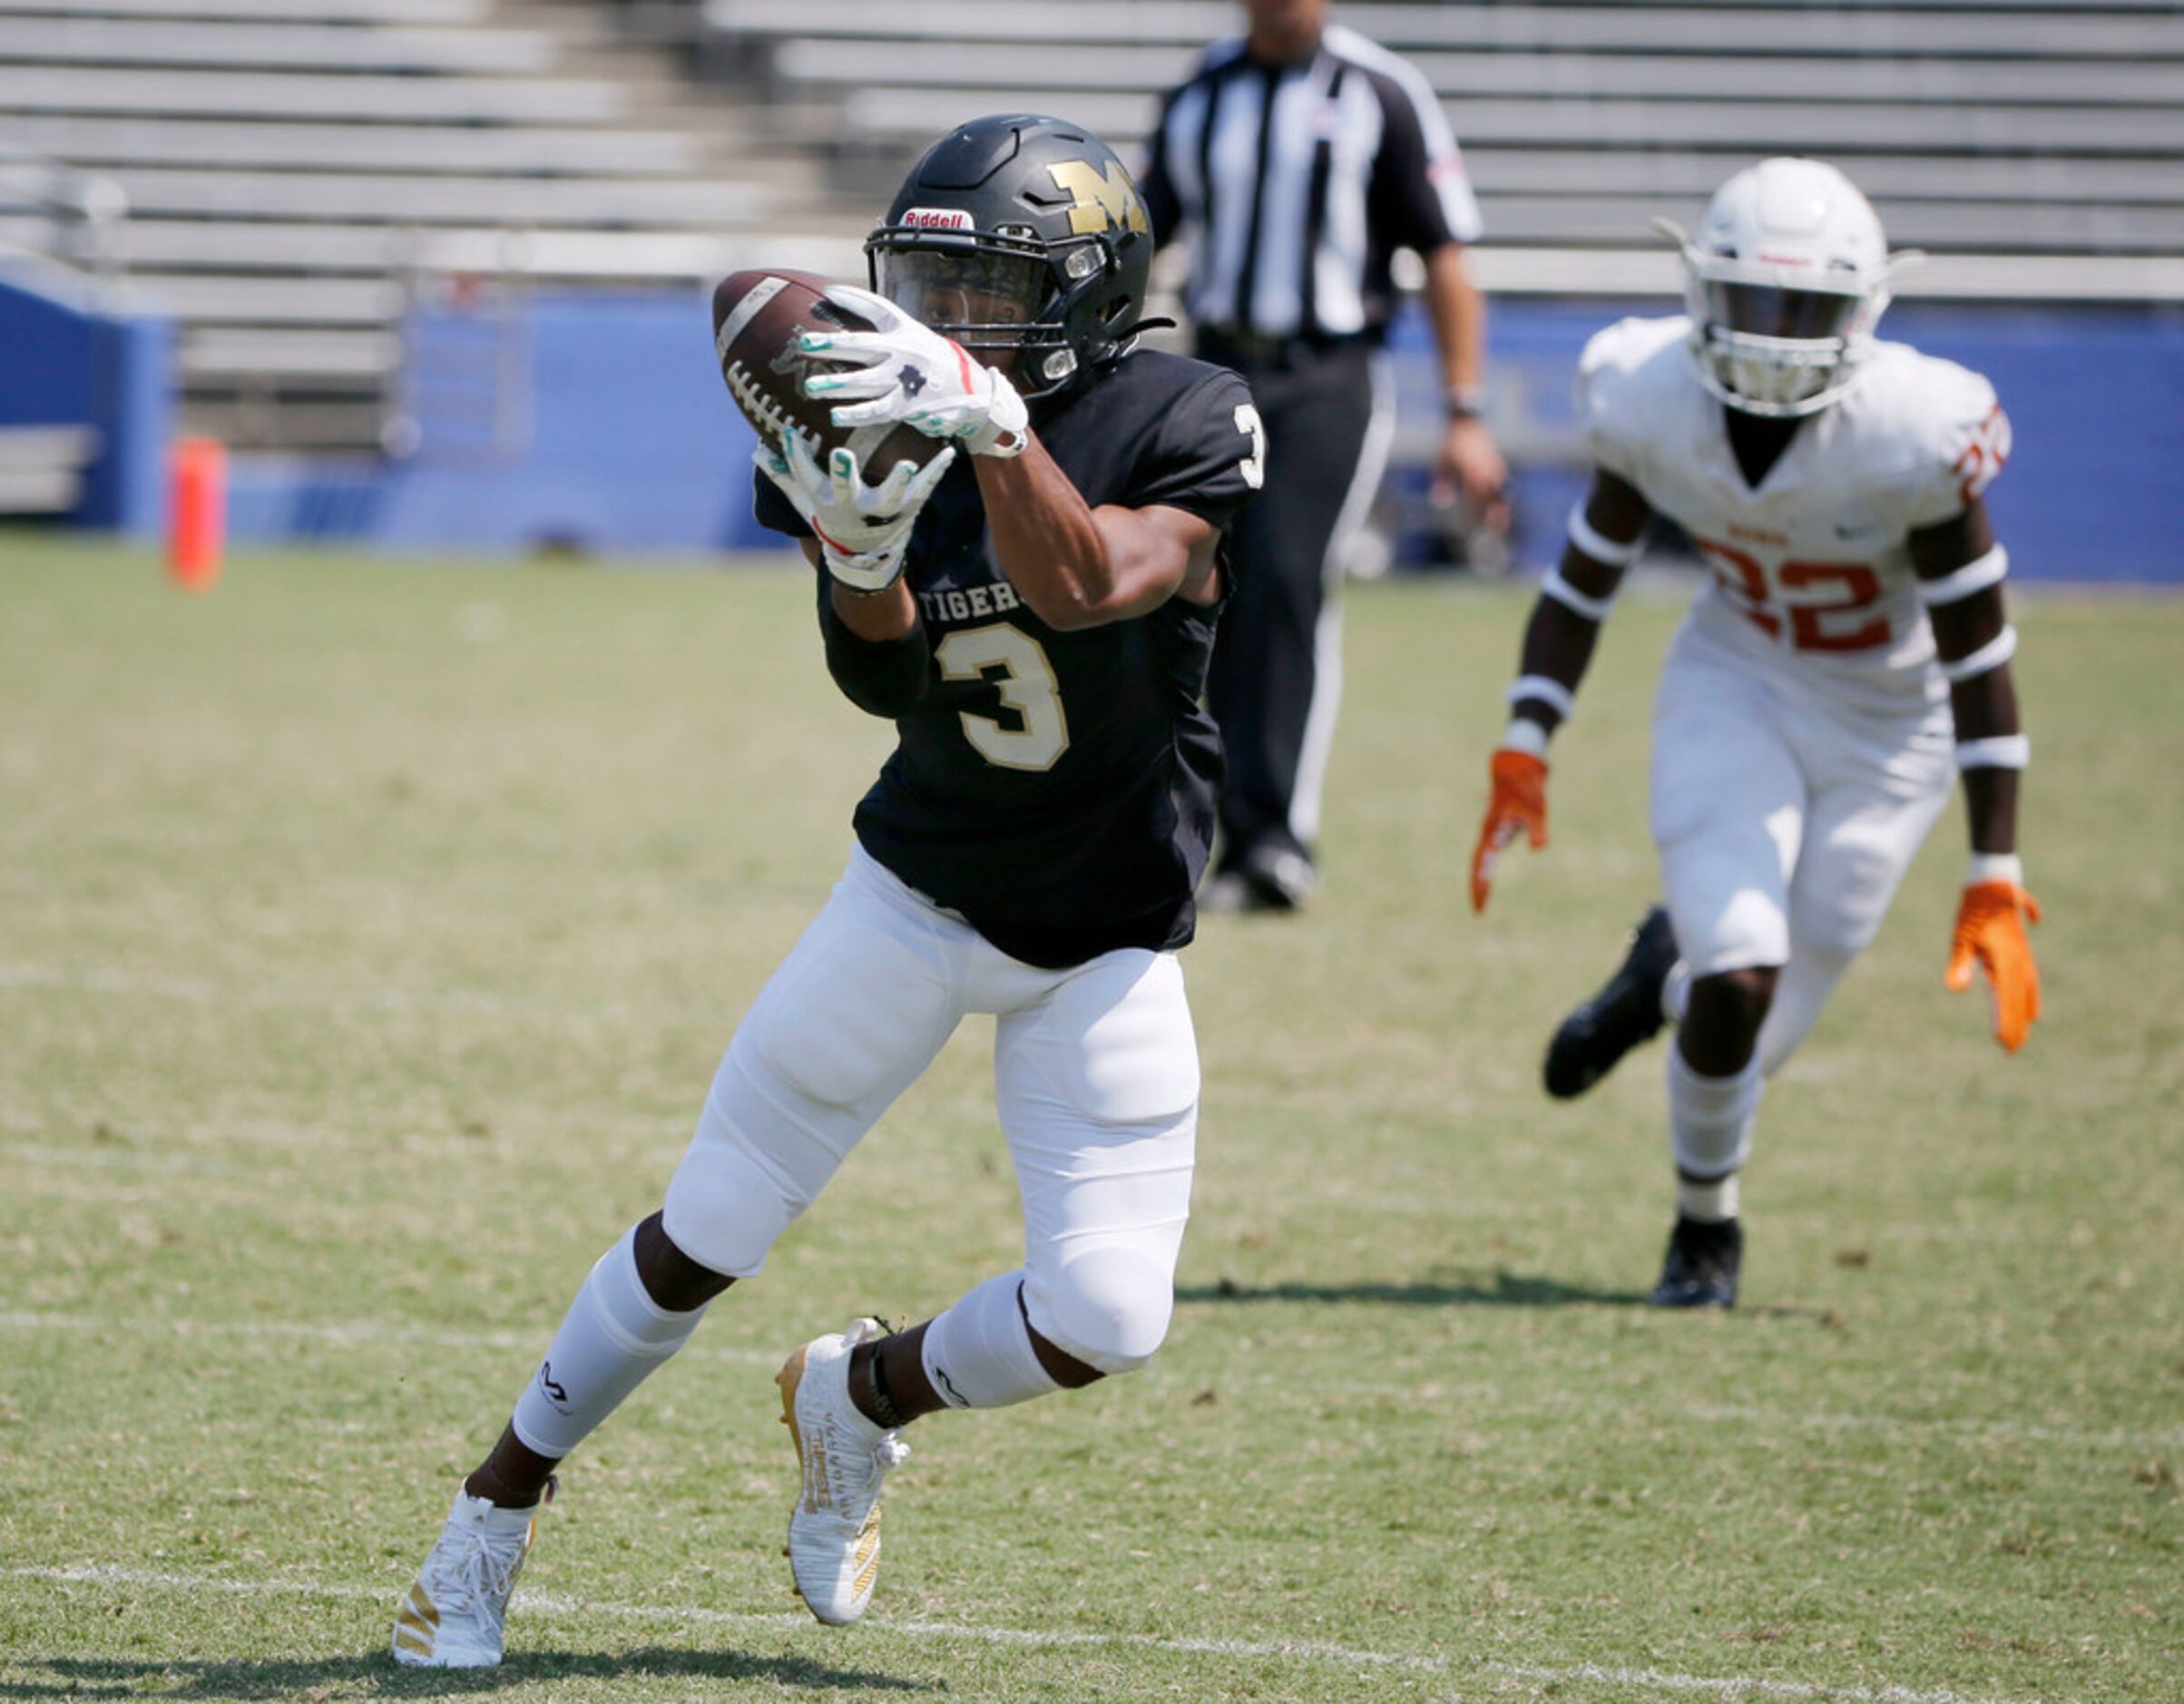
<point>1056,789</point>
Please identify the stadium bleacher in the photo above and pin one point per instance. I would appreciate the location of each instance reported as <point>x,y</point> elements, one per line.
<point>294,172</point>
<point>293,169</point>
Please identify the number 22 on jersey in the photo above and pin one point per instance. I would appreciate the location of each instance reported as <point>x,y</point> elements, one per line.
<point>1842,622</point>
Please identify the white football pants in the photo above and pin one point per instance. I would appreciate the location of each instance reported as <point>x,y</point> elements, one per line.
<point>1785,819</point>
<point>1096,1083</point>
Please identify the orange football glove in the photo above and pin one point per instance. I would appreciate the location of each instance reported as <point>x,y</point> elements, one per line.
<point>1990,929</point>
<point>1519,802</point>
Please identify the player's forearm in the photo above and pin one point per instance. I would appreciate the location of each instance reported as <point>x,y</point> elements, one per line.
<point>1574,600</point>
<point>1457,308</point>
<point>1974,640</point>
<point>877,649</point>
<point>1074,566</point>
<point>1557,650</point>
<point>1991,750</point>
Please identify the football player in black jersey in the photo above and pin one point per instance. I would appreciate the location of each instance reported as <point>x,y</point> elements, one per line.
<point>1034,609</point>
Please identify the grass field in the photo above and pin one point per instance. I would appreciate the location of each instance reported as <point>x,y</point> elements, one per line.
<point>367,937</point>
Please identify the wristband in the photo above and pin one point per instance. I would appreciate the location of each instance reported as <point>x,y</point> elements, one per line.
<point>1974,576</point>
<point>1995,866</point>
<point>1998,751</point>
<point>1543,689</point>
<point>1611,553</point>
<point>1524,735</point>
<point>1466,402</point>
<point>1989,656</point>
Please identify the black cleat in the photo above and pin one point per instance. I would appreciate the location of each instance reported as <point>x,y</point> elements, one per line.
<point>1701,1270</point>
<point>1623,1014</point>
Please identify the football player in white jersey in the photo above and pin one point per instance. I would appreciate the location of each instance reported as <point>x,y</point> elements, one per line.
<point>1850,653</point>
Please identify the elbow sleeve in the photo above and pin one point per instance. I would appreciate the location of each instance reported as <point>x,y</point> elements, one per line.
<point>884,678</point>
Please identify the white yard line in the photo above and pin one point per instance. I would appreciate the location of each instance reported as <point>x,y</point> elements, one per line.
<point>550,1606</point>
<point>342,1333</point>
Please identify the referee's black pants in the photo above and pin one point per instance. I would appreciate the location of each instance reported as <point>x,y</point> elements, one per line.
<point>1277,670</point>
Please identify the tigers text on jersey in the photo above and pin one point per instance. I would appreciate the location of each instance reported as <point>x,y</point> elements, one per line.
<point>1056,789</point>
<point>1811,570</point>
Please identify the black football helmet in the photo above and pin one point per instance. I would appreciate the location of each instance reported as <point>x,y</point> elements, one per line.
<point>1020,234</point>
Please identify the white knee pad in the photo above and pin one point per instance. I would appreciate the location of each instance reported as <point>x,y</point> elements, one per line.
<point>1107,1305</point>
<point>979,1355</point>
<point>728,1203</point>
<point>1710,1118</point>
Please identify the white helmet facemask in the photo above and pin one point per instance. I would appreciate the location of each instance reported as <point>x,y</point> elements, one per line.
<point>1784,281</point>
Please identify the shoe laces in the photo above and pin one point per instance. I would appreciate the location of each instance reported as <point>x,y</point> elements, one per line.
<point>484,1569</point>
<point>485,1572</point>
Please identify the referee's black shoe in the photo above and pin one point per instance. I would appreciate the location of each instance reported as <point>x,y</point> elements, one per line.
<point>1268,878</point>
<point>1701,1270</point>
<point>1623,1014</point>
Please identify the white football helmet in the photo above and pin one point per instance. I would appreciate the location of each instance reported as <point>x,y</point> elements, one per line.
<point>1785,280</point>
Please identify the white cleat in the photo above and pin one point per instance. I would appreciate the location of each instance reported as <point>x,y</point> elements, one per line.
<point>452,1614</point>
<point>834,1529</point>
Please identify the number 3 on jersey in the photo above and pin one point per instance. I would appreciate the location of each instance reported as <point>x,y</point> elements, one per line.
<point>1253,467</point>
<point>1026,681</point>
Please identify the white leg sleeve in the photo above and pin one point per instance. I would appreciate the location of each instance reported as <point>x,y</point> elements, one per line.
<point>613,1335</point>
<point>1711,1118</point>
<point>979,1355</point>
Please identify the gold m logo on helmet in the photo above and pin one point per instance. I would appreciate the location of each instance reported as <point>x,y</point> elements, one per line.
<point>1104,200</point>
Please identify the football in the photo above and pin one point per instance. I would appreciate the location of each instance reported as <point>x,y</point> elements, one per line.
<point>757,317</point>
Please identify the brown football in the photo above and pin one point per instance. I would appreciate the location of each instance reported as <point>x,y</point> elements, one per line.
<point>757,317</point>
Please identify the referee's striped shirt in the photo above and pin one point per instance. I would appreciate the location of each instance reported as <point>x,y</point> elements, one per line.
<point>1293,184</point>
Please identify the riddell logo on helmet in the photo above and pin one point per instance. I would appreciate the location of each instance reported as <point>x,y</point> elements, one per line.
<point>938,219</point>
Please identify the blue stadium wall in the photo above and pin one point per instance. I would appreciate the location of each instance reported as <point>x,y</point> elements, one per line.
<point>626,442</point>
<point>63,363</point>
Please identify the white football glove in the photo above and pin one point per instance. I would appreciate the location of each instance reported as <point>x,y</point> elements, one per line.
<point>863,530</point>
<point>904,371</point>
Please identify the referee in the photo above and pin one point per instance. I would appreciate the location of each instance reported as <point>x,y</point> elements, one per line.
<point>1293,164</point>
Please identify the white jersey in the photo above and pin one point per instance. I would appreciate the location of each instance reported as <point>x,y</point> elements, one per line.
<point>1811,572</point>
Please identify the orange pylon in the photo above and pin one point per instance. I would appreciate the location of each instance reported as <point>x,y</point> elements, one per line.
<point>197,513</point>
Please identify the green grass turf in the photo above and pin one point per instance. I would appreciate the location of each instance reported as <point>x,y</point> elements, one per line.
<point>369,934</point>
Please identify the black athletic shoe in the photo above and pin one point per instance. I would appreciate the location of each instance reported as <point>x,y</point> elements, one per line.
<point>1623,1014</point>
<point>1701,1270</point>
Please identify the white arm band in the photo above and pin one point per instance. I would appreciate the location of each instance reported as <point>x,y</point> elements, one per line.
<point>1577,603</point>
<point>2002,751</point>
<point>1541,690</point>
<point>1989,656</point>
<point>1995,866</point>
<point>1976,575</point>
<point>1598,545</point>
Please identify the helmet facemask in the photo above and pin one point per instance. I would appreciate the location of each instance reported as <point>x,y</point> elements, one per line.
<point>1015,302</point>
<point>1778,344</point>
<point>1784,284</point>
